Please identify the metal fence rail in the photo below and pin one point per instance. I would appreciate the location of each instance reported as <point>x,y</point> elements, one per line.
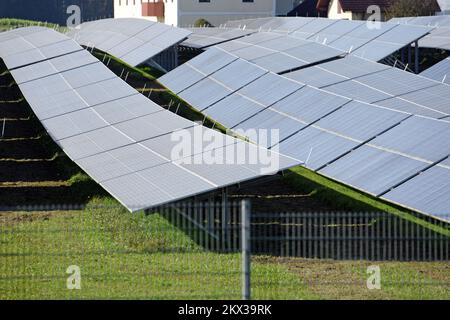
<point>220,250</point>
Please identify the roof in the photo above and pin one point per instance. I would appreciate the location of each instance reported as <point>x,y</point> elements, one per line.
<point>354,5</point>
<point>308,8</point>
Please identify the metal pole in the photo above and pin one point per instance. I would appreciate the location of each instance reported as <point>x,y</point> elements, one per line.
<point>416,51</point>
<point>245,226</point>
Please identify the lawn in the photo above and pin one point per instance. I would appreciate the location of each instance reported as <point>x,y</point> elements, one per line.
<point>138,256</point>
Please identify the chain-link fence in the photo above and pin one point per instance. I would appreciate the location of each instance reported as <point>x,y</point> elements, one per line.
<point>195,251</point>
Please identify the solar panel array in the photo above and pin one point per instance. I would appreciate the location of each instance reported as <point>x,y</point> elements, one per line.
<point>205,37</point>
<point>439,38</point>
<point>279,53</point>
<point>372,148</point>
<point>360,38</point>
<point>439,72</point>
<point>124,141</point>
<point>378,84</point>
<point>21,47</point>
<point>131,40</point>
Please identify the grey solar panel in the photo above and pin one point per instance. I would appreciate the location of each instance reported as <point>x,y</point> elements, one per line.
<point>153,125</point>
<point>429,192</point>
<point>316,147</point>
<point>309,104</point>
<point>53,66</point>
<point>357,91</point>
<point>233,110</point>
<point>238,74</point>
<point>313,27</point>
<point>435,98</point>
<point>212,60</point>
<point>315,76</point>
<point>406,106</point>
<point>269,89</point>
<point>181,78</point>
<point>205,93</point>
<point>373,170</point>
<point>361,121</point>
<point>120,162</point>
<point>396,82</point>
<point>132,40</point>
<point>205,37</point>
<point>430,138</point>
<point>439,72</point>
<point>94,142</point>
<point>272,127</point>
<point>353,67</point>
<point>335,31</point>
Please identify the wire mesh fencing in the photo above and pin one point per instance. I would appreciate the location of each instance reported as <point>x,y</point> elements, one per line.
<point>196,250</point>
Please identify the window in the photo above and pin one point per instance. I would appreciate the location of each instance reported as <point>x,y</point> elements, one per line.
<point>247,1</point>
<point>204,1</point>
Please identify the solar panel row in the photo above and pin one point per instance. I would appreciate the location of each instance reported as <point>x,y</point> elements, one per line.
<point>205,37</point>
<point>279,53</point>
<point>132,40</point>
<point>379,84</point>
<point>21,47</point>
<point>368,147</point>
<point>439,72</point>
<point>362,39</point>
<point>125,142</point>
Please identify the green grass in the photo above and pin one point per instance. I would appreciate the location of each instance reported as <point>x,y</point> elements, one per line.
<point>10,23</point>
<point>345,198</point>
<point>138,256</point>
<point>120,255</point>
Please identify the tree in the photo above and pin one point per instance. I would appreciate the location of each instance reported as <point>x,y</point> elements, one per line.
<point>202,23</point>
<point>411,8</point>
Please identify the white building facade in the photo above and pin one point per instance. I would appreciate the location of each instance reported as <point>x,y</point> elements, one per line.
<point>183,13</point>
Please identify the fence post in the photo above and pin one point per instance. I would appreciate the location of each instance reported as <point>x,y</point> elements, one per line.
<point>245,227</point>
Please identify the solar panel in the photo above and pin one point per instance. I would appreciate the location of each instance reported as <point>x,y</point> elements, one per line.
<point>430,138</point>
<point>357,91</point>
<point>181,78</point>
<point>435,98</point>
<point>279,53</point>
<point>373,170</point>
<point>206,37</point>
<point>309,104</point>
<point>238,74</point>
<point>335,31</point>
<point>316,147</point>
<point>439,72</point>
<point>233,110</point>
<point>315,76</point>
<point>205,93</point>
<point>429,193</point>
<point>396,82</point>
<point>269,89</point>
<point>413,108</point>
<point>31,45</point>
<point>132,40</point>
<point>211,60</point>
<point>53,66</point>
<point>313,27</point>
<point>389,42</point>
<point>107,128</point>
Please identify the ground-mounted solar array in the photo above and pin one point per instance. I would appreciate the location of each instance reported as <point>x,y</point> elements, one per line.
<point>279,53</point>
<point>123,140</point>
<point>359,38</point>
<point>373,148</point>
<point>378,84</point>
<point>205,37</point>
<point>439,38</point>
<point>439,72</point>
<point>131,40</point>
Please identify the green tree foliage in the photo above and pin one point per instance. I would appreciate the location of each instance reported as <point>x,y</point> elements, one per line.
<point>202,23</point>
<point>411,8</point>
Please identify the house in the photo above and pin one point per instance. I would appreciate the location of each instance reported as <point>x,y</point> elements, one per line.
<point>307,8</point>
<point>184,13</point>
<point>350,9</point>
